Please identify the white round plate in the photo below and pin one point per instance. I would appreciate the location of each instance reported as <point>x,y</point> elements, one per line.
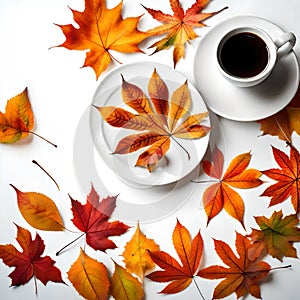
<point>175,164</point>
<point>239,103</point>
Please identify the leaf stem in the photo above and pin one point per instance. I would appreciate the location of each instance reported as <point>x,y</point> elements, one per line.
<point>42,138</point>
<point>69,244</point>
<point>284,267</point>
<point>187,153</point>
<point>35,285</point>
<point>204,181</point>
<point>36,163</point>
<point>195,282</point>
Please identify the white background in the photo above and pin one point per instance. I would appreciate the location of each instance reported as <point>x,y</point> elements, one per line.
<point>60,92</point>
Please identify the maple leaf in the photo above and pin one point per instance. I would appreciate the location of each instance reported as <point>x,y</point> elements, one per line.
<point>242,275</point>
<point>287,178</point>
<point>125,286</point>
<point>89,277</point>
<point>276,235</point>
<point>220,195</point>
<point>92,218</point>
<point>101,30</point>
<point>39,211</point>
<point>136,253</point>
<point>285,122</point>
<point>29,263</point>
<point>158,123</point>
<point>179,27</point>
<point>189,252</point>
<point>18,120</point>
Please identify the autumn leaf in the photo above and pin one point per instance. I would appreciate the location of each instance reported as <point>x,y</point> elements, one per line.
<point>29,263</point>
<point>287,177</point>
<point>242,275</point>
<point>92,218</point>
<point>220,195</point>
<point>100,31</point>
<point>178,29</point>
<point>39,211</point>
<point>89,277</point>
<point>125,286</point>
<point>18,120</point>
<point>136,253</point>
<point>155,118</point>
<point>276,235</point>
<point>180,275</point>
<point>285,122</point>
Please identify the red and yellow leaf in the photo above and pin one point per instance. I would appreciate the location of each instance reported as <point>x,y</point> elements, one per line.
<point>89,277</point>
<point>29,263</point>
<point>101,30</point>
<point>39,211</point>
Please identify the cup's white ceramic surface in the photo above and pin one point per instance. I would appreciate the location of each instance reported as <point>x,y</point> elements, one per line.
<point>251,48</point>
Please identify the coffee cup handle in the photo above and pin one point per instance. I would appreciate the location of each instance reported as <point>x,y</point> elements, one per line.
<point>285,43</point>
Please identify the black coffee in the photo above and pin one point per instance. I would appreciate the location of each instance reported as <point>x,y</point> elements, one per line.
<point>244,55</point>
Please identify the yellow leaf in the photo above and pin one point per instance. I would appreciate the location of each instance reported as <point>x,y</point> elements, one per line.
<point>124,286</point>
<point>136,254</point>
<point>39,211</point>
<point>89,277</point>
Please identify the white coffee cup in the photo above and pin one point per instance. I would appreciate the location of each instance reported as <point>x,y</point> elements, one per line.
<point>247,55</point>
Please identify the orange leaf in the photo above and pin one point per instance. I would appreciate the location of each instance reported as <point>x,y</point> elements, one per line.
<point>179,27</point>
<point>125,286</point>
<point>179,275</point>
<point>276,235</point>
<point>221,195</point>
<point>29,263</point>
<point>18,120</point>
<point>101,30</point>
<point>39,211</point>
<point>89,277</point>
<point>287,178</point>
<point>242,275</point>
<point>136,253</point>
<point>285,122</point>
<point>156,117</point>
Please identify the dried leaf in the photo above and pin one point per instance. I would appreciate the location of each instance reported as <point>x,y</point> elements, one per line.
<point>29,263</point>
<point>242,275</point>
<point>92,218</point>
<point>136,253</point>
<point>220,194</point>
<point>100,31</point>
<point>89,277</point>
<point>179,27</point>
<point>158,124</point>
<point>179,275</point>
<point>125,286</point>
<point>276,236</point>
<point>287,178</point>
<point>39,211</point>
<point>17,121</point>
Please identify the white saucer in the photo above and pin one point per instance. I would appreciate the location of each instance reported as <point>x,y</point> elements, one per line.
<point>175,165</point>
<point>237,103</point>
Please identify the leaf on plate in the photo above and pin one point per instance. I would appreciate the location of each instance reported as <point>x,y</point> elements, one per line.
<point>276,236</point>
<point>178,29</point>
<point>89,277</point>
<point>180,275</point>
<point>221,194</point>
<point>93,217</point>
<point>242,275</point>
<point>18,120</point>
<point>39,211</point>
<point>29,263</point>
<point>136,254</point>
<point>285,122</point>
<point>156,118</point>
<point>125,286</point>
<point>287,177</point>
<point>100,31</point>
